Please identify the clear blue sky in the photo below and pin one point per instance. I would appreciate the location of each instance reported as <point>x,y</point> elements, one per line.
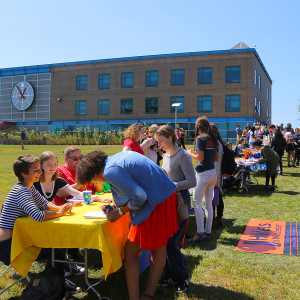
<point>41,32</point>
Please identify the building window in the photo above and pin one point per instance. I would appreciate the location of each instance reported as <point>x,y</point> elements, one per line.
<point>152,78</point>
<point>204,104</point>
<point>255,77</point>
<point>127,106</point>
<point>259,82</point>
<point>151,105</point>
<point>103,81</point>
<point>177,77</point>
<point>255,105</point>
<point>177,100</point>
<point>233,74</point>
<point>259,107</point>
<point>127,80</point>
<point>232,103</point>
<point>81,82</point>
<point>204,75</point>
<point>80,108</point>
<point>103,107</point>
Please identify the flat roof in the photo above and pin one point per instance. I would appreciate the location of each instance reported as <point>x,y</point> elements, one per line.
<point>38,69</point>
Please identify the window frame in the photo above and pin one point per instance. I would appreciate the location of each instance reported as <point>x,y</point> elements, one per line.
<point>78,82</point>
<point>102,100</point>
<point>202,96</point>
<point>231,80</point>
<point>204,68</point>
<point>151,98</point>
<point>126,99</point>
<point>103,88</point>
<point>146,77</point>
<point>172,109</point>
<point>125,74</point>
<point>177,70</point>
<point>226,100</point>
<point>76,104</point>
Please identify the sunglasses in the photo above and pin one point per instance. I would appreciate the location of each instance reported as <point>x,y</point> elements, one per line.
<point>76,158</point>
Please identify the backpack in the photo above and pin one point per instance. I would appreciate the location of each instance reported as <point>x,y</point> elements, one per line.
<point>48,285</point>
<point>228,165</point>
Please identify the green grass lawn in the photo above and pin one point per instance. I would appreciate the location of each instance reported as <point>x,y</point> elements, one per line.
<point>216,270</point>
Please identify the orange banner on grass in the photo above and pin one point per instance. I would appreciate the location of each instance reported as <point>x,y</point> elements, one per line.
<point>266,236</point>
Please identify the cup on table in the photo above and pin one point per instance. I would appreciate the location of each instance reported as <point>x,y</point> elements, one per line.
<point>87,196</point>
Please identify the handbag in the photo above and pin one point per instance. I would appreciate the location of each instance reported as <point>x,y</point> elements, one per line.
<point>182,208</point>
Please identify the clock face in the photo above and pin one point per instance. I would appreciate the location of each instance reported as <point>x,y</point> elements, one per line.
<point>22,95</point>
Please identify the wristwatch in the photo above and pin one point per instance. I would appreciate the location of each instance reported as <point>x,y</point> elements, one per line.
<point>120,212</point>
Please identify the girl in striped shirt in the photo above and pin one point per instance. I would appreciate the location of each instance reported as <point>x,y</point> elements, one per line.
<point>24,200</point>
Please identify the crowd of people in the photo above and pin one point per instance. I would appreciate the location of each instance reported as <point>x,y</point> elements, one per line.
<point>145,190</point>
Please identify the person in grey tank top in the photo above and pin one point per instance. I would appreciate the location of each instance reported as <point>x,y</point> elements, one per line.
<point>179,167</point>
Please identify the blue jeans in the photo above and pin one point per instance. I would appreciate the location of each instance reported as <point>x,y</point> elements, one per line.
<point>176,265</point>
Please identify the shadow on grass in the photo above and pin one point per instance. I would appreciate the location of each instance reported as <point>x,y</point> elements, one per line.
<point>199,291</point>
<point>210,244</point>
<point>291,193</point>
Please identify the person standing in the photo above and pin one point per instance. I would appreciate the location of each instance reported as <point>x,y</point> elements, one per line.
<point>142,188</point>
<point>217,222</point>
<point>206,153</point>
<point>296,138</point>
<point>181,138</point>
<point>133,135</point>
<point>23,138</point>
<point>278,144</point>
<point>179,167</point>
<point>239,131</point>
<point>290,149</point>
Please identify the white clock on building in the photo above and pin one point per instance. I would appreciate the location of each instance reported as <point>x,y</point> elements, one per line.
<point>22,95</point>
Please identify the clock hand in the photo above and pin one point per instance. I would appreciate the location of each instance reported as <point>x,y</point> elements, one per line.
<point>23,93</point>
<point>20,92</point>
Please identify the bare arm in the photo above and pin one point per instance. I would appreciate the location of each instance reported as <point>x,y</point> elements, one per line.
<point>196,155</point>
<point>54,213</point>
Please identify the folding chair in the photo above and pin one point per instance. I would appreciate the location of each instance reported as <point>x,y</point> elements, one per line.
<point>18,280</point>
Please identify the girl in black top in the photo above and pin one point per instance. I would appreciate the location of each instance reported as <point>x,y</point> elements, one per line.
<point>278,144</point>
<point>50,184</point>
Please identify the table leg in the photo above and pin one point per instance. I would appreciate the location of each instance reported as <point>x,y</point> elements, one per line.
<point>87,277</point>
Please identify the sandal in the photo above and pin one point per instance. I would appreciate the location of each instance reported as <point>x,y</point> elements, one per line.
<point>201,237</point>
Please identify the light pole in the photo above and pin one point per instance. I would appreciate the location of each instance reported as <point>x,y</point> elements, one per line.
<point>176,106</point>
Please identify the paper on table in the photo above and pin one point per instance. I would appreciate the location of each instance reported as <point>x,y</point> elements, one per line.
<point>74,199</point>
<point>95,215</point>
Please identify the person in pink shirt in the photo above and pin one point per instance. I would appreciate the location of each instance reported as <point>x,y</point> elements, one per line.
<point>133,135</point>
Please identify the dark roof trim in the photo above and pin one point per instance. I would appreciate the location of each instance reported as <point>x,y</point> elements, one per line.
<point>47,68</point>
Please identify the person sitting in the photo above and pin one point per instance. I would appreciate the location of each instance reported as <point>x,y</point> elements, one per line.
<point>140,187</point>
<point>271,159</point>
<point>133,135</point>
<point>50,184</point>
<point>24,200</point>
<point>240,146</point>
<point>67,171</point>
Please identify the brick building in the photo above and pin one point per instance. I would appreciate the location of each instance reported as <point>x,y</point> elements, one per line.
<point>228,86</point>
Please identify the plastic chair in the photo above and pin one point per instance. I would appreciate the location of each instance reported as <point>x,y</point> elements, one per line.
<point>18,280</point>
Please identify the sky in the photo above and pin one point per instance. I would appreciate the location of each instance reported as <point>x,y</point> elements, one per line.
<point>35,32</point>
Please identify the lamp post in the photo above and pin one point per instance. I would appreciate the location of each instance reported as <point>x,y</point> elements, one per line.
<point>176,106</point>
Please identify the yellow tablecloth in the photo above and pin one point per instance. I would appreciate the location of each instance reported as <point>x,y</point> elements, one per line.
<point>73,231</point>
